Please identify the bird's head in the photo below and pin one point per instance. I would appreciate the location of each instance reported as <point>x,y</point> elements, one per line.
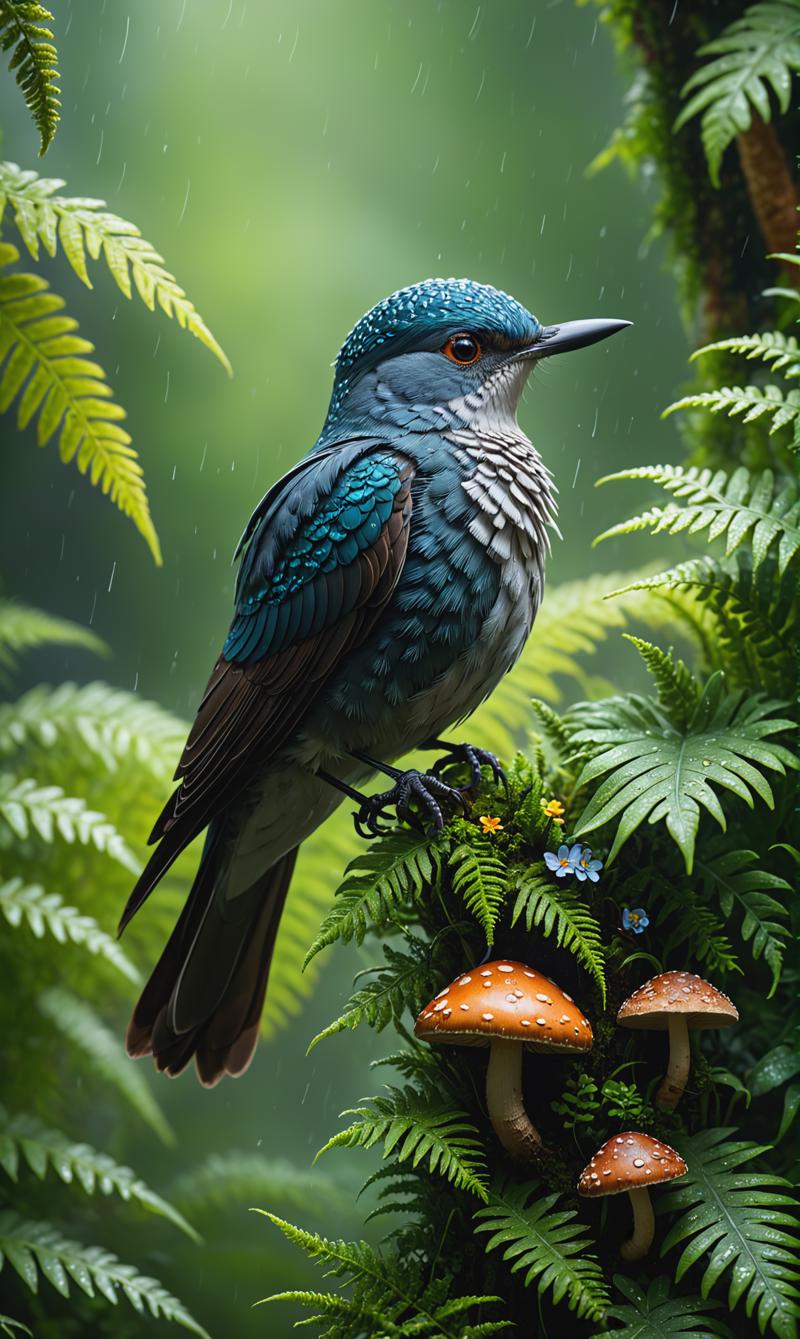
<point>445,342</point>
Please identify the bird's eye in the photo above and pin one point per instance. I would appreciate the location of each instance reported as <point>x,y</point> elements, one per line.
<point>462,348</point>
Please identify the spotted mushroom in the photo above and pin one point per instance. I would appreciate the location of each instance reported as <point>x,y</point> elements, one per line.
<point>506,1006</point>
<point>677,1001</point>
<point>632,1162</point>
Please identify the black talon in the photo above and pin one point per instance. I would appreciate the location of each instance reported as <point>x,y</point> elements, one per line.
<point>423,787</point>
<point>475,758</point>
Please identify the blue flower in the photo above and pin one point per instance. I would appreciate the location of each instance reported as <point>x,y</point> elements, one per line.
<point>565,862</point>
<point>635,919</point>
<point>587,868</point>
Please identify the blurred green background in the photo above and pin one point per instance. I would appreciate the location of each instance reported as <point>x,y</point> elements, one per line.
<point>296,161</point>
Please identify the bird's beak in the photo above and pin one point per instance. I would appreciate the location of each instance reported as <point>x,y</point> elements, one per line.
<point>571,335</point>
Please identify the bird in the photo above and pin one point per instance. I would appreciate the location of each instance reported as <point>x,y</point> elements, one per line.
<point>386,583</point>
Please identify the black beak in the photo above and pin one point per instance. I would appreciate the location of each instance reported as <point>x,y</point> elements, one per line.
<point>571,335</point>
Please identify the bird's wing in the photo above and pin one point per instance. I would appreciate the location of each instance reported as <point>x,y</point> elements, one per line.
<point>323,556</point>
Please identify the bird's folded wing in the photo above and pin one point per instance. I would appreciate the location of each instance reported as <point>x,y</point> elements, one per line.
<point>324,553</point>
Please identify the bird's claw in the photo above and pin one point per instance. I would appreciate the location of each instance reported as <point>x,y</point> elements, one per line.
<point>475,759</point>
<point>426,789</point>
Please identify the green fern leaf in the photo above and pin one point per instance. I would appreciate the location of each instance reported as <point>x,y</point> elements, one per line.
<point>481,880</point>
<point>419,1126</point>
<point>232,1180</point>
<point>655,771</point>
<point>556,912</point>
<point>23,1137</point>
<point>728,876</point>
<point>28,807</point>
<point>685,922</point>
<point>406,981</point>
<point>85,227</point>
<point>34,61</point>
<point>396,868</point>
<point>677,688</point>
<point>739,1221</point>
<point>753,55</point>
<point>783,407</point>
<point>772,347</point>
<point>758,509</point>
<point>47,913</point>
<point>547,1244</point>
<point>390,1296</point>
<point>32,1248</point>
<point>11,1327</point>
<point>101,1049</point>
<point>43,362</point>
<point>656,1314</point>
<point>23,628</point>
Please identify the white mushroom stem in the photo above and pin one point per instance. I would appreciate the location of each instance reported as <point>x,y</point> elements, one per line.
<point>510,1120</point>
<point>674,1081</point>
<point>644,1225</point>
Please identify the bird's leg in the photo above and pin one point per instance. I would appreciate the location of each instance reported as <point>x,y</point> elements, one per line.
<point>366,819</point>
<point>429,793</point>
<point>470,754</point>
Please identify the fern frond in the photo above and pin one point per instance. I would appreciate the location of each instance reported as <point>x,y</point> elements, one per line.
<point>481,880</point>
<point>736,1220</point>
<point>556,912</point>
<point>23,628</point>
<point>32,1248</point>
<point>754,54</point>
<point>655,771</point>
<point>13,1327</point>
<point>28,807</point>
<point>44,363</point>
<point>101,1049</point>
<point>47,913</point>
<point>234,1180</point>
<point>547,1244</point>
<point>389,1297</point>
<point>656,1314</point>
<point>419,1126</point>
<point>23,1137</point>
<point>85,227</point>
<point>685,920</point>
<point>396,867</point>
<point>676,686</point>
<point>730,878</point>
<point>34,61</point>
<point>755,508</point>
<point>406,981</point>
<point>783,407</point>
<point>115,726</point>
<point>772,347</point>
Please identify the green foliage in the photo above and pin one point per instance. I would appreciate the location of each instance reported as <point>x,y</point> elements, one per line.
<point>85,228</point>
<point>729,877</point>
<point>654,770</point>
<point>624,1104</point>
<point>579,1102</point>
<point>657,1314</point>
<point>760,511</point>
<point>750,402</point>
<point>754,54</point>
<point>47,812</point>
<point>737,1221</point>
<point>34,62</point>
<point>481,880</point>
<point>33,1248</point>
<point>417,1126</point>
<point>556,912</point>
<point>45,364</point>
<point>406,980</point>
<point>23,1137</point>
<point>233,1180</point>
<point>772,347</point>
<point>23,628</point>
<point>547,1244</point>
<point>47,913</point>
<point>390,1295</point>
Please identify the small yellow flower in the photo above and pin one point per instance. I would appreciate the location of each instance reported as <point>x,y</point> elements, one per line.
<point>554,809</point>
<point>490,824</point>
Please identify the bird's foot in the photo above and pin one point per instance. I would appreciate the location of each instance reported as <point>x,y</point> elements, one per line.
<point>418,798</point>
<point>472,757</point>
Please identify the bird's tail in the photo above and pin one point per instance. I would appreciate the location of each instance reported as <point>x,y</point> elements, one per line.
<point>206,992</point>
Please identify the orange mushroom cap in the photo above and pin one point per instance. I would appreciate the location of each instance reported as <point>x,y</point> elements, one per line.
<point>684,993</point>
<point>505,999</point>
<point>627,1161</point>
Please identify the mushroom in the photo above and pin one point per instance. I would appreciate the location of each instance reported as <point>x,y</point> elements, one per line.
<point>632,1162</point>
<point>505,1005</point>
<point>678,1001</point>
